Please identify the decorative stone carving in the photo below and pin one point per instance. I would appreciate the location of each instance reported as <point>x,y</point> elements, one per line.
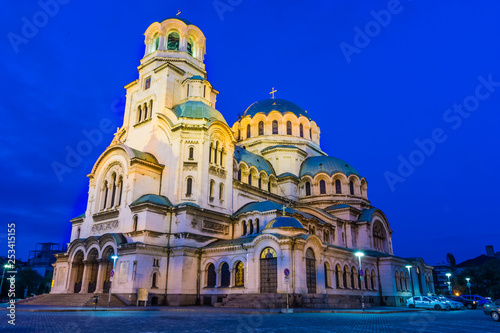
<point>104,226</point>
<point>217,170</point>
<point>215,227</point>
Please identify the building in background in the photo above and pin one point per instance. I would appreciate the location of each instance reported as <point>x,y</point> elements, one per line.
<point>42,257</point>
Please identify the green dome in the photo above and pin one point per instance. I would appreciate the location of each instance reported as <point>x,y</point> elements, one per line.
<point>197,110</point>
<point>327,164</point>
<point>280,105</point>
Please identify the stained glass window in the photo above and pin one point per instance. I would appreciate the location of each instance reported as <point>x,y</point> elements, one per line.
<point>261,128</point>
<point>289,128</point>
<point>275,127</point>
<point>239,274</point>
<point>267,253</point>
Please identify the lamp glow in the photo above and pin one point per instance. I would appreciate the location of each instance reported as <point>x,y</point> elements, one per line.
<point>359,254</point>
<point>448,274</point>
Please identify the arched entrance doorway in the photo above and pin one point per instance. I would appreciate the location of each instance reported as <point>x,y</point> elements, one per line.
<point>93,269</point>
<point>78,271</point>
<point>107,267</point>
<point>310,271</point>
<point>268,271</point>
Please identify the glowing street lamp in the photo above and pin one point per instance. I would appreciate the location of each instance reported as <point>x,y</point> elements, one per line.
<point>3,275</point>
<point>411,281</point>
<point>359,254</point>
<point>468,285</point>
<point>114,257</point>
<point>449,283</point>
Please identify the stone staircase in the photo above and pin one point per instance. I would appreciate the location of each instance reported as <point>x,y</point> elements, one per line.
<point>72,300</point>
<point>278,301</point>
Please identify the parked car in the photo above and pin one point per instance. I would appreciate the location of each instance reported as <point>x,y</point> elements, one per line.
<point>479,299</point>
<point>493,310</point>
<point>466,302</point>
<point>454,305</point>
<point>427,302</point>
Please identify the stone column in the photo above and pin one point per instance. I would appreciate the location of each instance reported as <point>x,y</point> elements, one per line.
<point>85,278</point>
<point>100,276</point>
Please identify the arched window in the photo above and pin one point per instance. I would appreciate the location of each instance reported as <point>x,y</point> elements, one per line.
<point>239,175</point>
<point>145,108</point>
<point>239,274</point>
<point>257,226</point>
<point>327,275</point>
<point>269,186</point>
<point>379,237</point>
<point>225,275</point>
<point>308,188</point>
<point>249,179</point>
<point>250,225</point>
<point>211,276</point>
<point>211,191</point>
<point>189,187</point>
<point>105,194</point>
<point>244,224</point>
<point>187,91</point>
<point>190,45</point>
<point>150,108</point>
<point>322,187</point>
<point>154,281</point>
<point>301,130</point>
<point>216,151</point>
<point>288,128</point>
<point>173,41</point>
<point>351,187</point>
<point>221,156</point>
<point>221,192</point>
<point>248,131</point>
<point>260,182</point>
<point>78,232</point>
<point>310,271</point>
<point>261,128</point>
<point>113,193</point>
<point>366,279</point>
<point>139,113</point>
<point>135,218</point>
<point>191,153</point>
<point>210,154</point>
<point>326,236</point>
<point>310,134</point>
<point>156,43</point>
<point>120,190</point>
<point>396,277</point>
<point>338,188</point>
<point>372,278</point>
<point>353,273</point>
<point>344,277</point>
<point>338,271</point>
<point>275,127</point>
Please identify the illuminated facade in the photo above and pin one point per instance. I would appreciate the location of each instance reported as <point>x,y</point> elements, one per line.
<point>200,212</point>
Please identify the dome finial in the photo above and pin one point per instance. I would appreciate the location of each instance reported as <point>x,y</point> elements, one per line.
<point>272,92</point>
<point>178,12</point>
<point>284,207</point>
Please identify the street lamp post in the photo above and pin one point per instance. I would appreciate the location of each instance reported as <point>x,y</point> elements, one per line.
<point>114,257</point>
<point>3,276</point>
<point>449,282</point>
<point>359,254</point>
<point>468,285</point>
<point>411,282</point>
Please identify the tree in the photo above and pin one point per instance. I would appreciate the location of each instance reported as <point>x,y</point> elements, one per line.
<point>450,258</point>
<point>485,279</point>
<point>27,278</point>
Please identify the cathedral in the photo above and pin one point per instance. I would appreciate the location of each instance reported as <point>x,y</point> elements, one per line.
<point>197,212</point>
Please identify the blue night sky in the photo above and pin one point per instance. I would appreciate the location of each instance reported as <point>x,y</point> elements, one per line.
<point>379,91</point>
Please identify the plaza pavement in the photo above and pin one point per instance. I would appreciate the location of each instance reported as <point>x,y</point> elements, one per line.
<point>207,319</point>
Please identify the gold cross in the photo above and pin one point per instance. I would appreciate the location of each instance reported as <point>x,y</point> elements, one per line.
<point>272,92</point>
<point>284,207</point>
<point>178,12</point>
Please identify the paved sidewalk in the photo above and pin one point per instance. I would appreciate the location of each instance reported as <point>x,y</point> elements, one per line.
<point>207,309</point>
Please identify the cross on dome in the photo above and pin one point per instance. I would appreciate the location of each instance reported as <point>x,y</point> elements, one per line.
<point>272,92</point>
